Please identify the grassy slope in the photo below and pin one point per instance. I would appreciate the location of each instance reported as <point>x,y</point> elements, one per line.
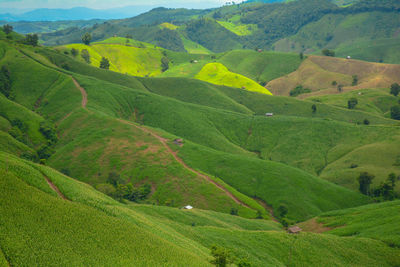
<point>241,30</point>
<point>217,73</point>
<point>261,67</point>
<point>124,59</point>
<point>318,73</point>
<point>368,36</point>
<point>377,221</point>
<point>180,237</point>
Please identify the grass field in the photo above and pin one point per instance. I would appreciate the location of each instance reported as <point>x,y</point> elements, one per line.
<point>241,30</point>
<point>377,221</point>
<point>180,237</point>
<point>318,74</point>
<point>217,73</point>
<point>124,59</point>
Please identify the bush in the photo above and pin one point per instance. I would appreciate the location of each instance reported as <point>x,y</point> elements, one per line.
<point>352,103</point>
<point>328,53</point>
<point>85,55</point>
<point>395,89</point>
<point>104,63</point>
<point>299,90</point>
<point>355,80</point>
<point>366,122</point>
<point>395,112</point>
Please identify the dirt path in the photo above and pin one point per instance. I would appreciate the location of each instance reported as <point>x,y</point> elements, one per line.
<point>83,92</point>
<point>180,161</point>
<point>164,143</point>
<point>55,188</point>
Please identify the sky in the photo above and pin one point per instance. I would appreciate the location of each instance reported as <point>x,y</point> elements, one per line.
<point>105,4</point>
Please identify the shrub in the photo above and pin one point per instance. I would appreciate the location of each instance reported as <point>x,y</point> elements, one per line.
<point>328,53</point>
<point>366,122</point>
<point>395,112</point>
<point>352,103</point>
<point>395,89</point>
<point>299,90</point>
<point>104,63</point>
<point>85,55</point>
<point>355,80</point>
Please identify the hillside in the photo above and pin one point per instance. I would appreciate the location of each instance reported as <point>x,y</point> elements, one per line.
<point>319,73</point>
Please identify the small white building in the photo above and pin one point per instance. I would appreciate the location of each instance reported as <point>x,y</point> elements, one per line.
<point>188,207</point>
<point>269,114</point>
<point>348,57</point>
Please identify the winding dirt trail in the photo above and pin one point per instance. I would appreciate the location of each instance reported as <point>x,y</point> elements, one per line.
<point>164,143</point>
<point>83,92</point>
<point>54,187</point>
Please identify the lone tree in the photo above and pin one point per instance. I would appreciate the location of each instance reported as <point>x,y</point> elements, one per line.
<point>32,39</point>
<point>7,28</point>
<point>85,55</point>
<point>352,103</point>
<point>164,64</point>
<point>365,180</point>
<point>395,112</point>
<point>355,80</point>
<point>301,55</point>
<point>314,108</point>
<point>328,53</point>
<point>104,63</point>
<point>395,89</point>
<point>86,38</point>
<point>340,88</point>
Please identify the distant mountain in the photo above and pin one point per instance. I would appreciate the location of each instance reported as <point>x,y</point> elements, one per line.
<point>76,13</point>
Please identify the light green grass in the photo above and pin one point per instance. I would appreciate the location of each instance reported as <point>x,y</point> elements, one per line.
<point>241,30</point>
<point>378,221</point>
<point>217,73</point>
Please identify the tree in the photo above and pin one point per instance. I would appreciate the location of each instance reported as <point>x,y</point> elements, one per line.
<point>32,39</point>
<point>395,89</point>
<point>86,38</point>
<point>74,52</point>
<point>365,180</point>
<point>221,255</point>
<point>352,103</point>
<point>366,121</point>
<point>301,55</point>
<point>355,80</point>
<point>282,210</point>
<point>334,83</point>
<point>395,112</point>
<point>314,108</point>
<point>164,64</point>
<point>340,88</point>
<point>7,29</point>
<point>104,63</point>
<point>114,179</point>
<point>5,81</point>
<point>328,53</point>
<point>234,211</point>
<point>85,55</point>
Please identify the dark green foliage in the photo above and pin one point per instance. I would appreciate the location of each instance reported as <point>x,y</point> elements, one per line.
<point>85,55</point>
<point>301,55</point>
<point>114,179</point>
<point>352,103</point>
<point>5,81</point>
<point>282,210</point>
<point>395,89</point>
<point>366,122</point>
<point>74,52</point>
<point>340,88</point>
<point>45,151</point>
<point>395,112</point>
<point>31,39</point>
<point>328,52</point>
<point>48,131</point>
<point>314,108</point>
<point>138,193</point>
<point>7,28</point>
<point>299,90</point>
<point>355,80</point>
<point>282,19</point>
<point>365,180</point>
<point>87,38</point>
<point>234,211</point>
<point>386,189</point>
<point>211,35</point>
<point>222,256</point>
<point>334,83</point>
<point>164,64</point>
<point>65,171</point>
<point>104,63</point>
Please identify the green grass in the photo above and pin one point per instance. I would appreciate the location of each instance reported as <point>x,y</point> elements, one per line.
<point>241,30</point>
<point>194,48</point>
<point>179,237</point>
<point>217,73</point>
<point>377,221</point>
<point>124,59</point>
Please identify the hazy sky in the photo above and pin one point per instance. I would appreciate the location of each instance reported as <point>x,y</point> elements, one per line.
<point>104,4</point>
